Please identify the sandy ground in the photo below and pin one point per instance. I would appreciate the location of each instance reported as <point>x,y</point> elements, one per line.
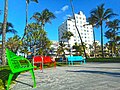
<point>89,76</point>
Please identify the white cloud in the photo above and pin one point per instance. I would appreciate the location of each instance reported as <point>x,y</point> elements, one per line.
<point>65,8</point>
<point>57,12</point>
<point>68,15</point>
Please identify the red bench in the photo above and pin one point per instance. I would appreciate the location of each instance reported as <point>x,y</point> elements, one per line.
<point>43,60</point>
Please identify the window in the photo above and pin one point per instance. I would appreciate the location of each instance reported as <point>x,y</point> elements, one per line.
<point>80,22</point>
<point>77,21</point>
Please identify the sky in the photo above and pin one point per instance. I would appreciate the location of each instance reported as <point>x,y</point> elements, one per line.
<point>61,9</point>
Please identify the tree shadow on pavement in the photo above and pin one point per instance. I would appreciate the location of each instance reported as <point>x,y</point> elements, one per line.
<point>114,74</point>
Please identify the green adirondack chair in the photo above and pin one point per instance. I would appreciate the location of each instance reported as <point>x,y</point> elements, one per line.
<point>18,64</point>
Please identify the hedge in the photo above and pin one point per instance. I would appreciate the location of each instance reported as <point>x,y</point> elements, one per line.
<point>109,60</point>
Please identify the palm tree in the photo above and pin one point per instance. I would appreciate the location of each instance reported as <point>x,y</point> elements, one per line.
<point>25,30</point>
<point>9,28</point>
<point>109,35</point>
<point>61,50</point>
<point>4,32</point>
<point>27,2</point>
<point>100,15</point>
<point>37,37</point>
<point>44,17</point>
<point>77,28</point>
<point>13,42</point>
<point>112,32</point>
<point>92,22</point>
<point>78,48</point>
<point>67,35</point>
<point>0,12</point>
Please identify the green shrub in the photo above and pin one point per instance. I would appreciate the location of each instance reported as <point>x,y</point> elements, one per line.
<point>109,60</point>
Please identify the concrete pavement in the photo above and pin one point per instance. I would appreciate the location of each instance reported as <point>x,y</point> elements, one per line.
<point>89,76</point>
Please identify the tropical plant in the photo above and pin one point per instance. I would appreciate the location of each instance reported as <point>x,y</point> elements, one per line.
<point>67,35</point>
<point>37,37</point>
<point>100,14</point>
<point>113,32</point>
<point>92,22</point>
<point>27,2</point>
<point>78,49</point>
<point>13,42</point>
<point>9,28</point>
<point>4,32</point>
<point>44,17</point>
<point>98,49</point>
<point>0,12</point>
<point>61,50</point>
<point>77,28</point>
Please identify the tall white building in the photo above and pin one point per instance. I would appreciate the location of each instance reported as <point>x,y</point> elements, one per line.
<point>86,31</point>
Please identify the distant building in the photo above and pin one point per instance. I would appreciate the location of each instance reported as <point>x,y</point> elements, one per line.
<point>86,31</point>
<point>54,47</point>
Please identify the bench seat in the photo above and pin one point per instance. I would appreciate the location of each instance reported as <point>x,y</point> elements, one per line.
<point>72,59</point>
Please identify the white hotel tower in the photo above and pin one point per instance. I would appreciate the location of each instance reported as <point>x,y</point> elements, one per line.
<point>86,31</point>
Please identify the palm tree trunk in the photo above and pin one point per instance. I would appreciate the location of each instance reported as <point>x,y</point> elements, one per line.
<point>102,41</point>
<point>4,33</point>
<point>77,28</point>
<point>94,44</point>
<point>69,48</point>
<point>26,24</point>
<point>114,43</point>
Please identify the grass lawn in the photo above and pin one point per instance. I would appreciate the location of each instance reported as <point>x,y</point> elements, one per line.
<point>4,73</point>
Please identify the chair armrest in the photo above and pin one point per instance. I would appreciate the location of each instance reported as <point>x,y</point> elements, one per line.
<point>20,58</point>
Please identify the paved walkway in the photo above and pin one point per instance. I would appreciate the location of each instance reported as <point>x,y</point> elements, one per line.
<point>90,76</point>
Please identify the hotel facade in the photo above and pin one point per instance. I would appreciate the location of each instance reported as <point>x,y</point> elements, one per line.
<point>86,30</point>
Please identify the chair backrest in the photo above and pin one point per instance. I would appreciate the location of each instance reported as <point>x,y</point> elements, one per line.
<point>9,54</point>
<point>47,59</point>
<point>37,59</point>
<point>13,64</point>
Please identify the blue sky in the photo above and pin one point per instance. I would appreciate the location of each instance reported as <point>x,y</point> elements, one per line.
<point>61,9</point>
